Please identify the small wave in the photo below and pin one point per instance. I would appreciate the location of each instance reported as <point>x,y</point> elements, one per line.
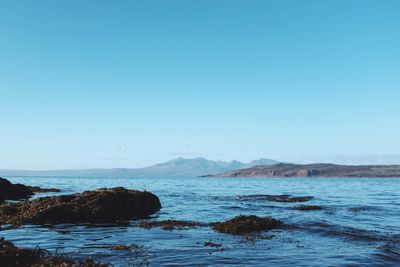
<point>390,251</point>
<point>346,232</point>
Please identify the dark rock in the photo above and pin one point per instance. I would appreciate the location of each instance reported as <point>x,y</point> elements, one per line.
<point>246,224</point>
<point>11,256</point>
<point>307,208</point>
<point>102,205</point>
<point>276,198</point>
<point>170,224</point>
<point>9,191</point>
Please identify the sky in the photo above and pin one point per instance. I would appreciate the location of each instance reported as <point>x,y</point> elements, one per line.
<point>87,84</point>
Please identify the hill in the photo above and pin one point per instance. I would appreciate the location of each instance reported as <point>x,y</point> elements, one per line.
<point>314,170</point>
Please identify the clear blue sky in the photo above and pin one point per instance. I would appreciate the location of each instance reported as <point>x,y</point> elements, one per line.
<point>129,83</point>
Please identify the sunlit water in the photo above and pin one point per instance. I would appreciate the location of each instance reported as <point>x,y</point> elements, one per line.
<point>359,224</point>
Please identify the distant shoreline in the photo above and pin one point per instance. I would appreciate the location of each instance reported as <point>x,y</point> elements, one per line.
<point>317,170</point>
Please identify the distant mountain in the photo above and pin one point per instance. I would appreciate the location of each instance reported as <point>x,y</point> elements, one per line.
<point>198,166</point>
<point>314,170</point>
<point>257,162</point>
<point>176,167</point>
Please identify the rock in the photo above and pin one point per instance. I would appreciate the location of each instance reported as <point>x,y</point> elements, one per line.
<point>307,208</point>
<point>246,224</point>
<point>276,198</point>
<point>102,205</point>
<point>37,189</point>
<point>11,256</point>
<point>169,224</point>
<point>9,191</point>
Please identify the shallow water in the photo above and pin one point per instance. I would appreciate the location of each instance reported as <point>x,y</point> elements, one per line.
<point>358,225</point>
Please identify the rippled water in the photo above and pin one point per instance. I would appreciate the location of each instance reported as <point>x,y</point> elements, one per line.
<point>358,225</point>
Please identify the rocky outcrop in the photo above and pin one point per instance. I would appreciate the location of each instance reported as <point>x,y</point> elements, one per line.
<point>315,170</point>
<point>10,191</point>
<point>102,205</point>
<point>246,224</point>
<point>11,256</point>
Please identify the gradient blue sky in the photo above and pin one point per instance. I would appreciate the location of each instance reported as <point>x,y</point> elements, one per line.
<point>129,83</point>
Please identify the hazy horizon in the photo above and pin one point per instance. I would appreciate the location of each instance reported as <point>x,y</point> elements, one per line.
<point>344,160</point>
<point>131,84</point>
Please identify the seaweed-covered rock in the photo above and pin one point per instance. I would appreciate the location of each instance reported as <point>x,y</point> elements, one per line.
<point>102,205</point>
<point>130,247</point>
<point>246,224</point>
<point>170,224</point>
<point>10,191</point>
<point>11,256</point>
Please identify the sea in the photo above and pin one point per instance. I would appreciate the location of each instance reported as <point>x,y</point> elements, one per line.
<point>358,225</point>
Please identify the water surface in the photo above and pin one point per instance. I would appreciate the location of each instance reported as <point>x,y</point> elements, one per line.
<point>358,225</point>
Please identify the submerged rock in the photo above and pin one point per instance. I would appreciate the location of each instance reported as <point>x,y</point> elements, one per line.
<point>212,244</point>
<point>358,209</point>
<point>276,198</point>
<point>246,224</point>
<point>307,208</point>
<point>102,205</point>
<point>125,247</point>
<point>11,256</point>
<point>170,224</point>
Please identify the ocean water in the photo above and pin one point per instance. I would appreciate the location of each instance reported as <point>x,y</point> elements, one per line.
<point>359,224</point>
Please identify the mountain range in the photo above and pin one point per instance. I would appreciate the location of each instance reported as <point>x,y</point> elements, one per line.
<point>172,168</point>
